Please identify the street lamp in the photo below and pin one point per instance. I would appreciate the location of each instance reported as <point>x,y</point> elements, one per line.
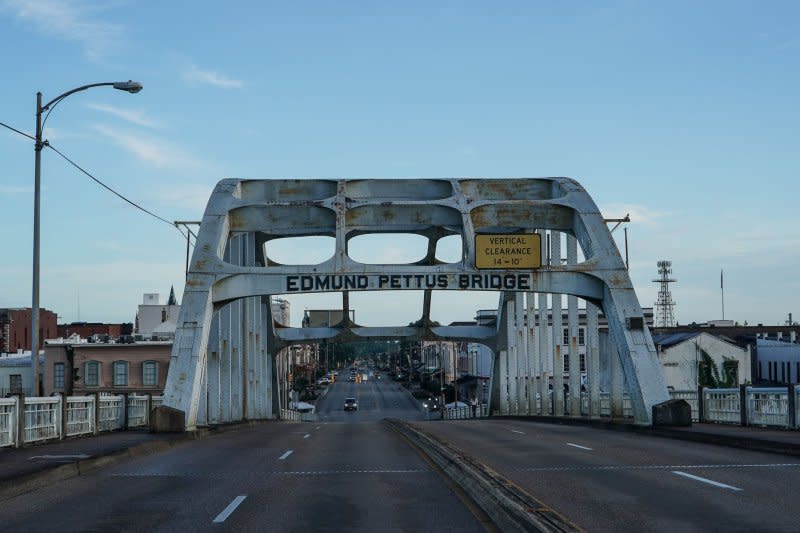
<point>128,86</point>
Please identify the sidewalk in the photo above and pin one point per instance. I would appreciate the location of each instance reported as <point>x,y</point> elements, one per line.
<point>36,465</point>
<point>782,441</point>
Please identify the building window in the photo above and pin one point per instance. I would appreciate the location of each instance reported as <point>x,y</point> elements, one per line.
<point>583,362</point>
<point>581,336</point>
<point>58,375</point>
<point>150,373</point>
<point>92,374</point>
<point>565,337</point>
<point>120,373</point>
<point>15,383</point>
<point>566,364</point>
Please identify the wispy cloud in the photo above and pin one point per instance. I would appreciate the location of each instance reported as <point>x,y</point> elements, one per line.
<point>154,151</point>
<point>5,189</point>
<point>137,117</point>
<point>194,74</point>
<point>640,214</point>
<point>194,197</point>
<point>69,20</point>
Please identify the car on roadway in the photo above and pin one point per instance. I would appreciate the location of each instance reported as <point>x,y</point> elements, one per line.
<point>431,404</point>
<point>350,404</point>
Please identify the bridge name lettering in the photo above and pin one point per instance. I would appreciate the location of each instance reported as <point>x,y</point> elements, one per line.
<point>338,282</point>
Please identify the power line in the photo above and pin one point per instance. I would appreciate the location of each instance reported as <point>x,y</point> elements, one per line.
<point>115,193</point>
<point>74,164</point>
<point>31,137</point>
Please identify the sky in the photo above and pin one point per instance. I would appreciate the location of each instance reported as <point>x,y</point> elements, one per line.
<point>682,114</point>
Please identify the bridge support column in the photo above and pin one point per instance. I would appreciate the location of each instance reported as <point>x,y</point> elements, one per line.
<point>593,360</point>
<point>558,356</point>
<point>533,354</point>
<point>572,327</point>
<point>546,404</point>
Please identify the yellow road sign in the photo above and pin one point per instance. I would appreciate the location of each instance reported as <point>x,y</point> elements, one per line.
<point>518,250</point>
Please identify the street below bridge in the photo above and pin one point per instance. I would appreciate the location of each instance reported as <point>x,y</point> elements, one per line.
<point>351,471</point>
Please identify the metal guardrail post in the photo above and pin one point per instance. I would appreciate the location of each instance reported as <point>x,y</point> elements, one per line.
<point>20,440</point>
<point>96,421</point>
<point>62,430</point>
<point>791,417</point>
<point>701,405</point>
<point>744,402</point>
<point>148,408</point>
<point>125,409</point>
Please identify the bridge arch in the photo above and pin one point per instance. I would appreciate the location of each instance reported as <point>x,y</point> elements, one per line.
<point>520,219</point>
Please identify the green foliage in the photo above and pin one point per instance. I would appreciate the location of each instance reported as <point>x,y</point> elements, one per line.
<point>708,374</point>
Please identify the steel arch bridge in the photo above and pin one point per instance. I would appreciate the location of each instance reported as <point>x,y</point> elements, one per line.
<point>223,357</point>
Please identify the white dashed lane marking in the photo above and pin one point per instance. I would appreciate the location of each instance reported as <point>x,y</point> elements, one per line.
<point>221,517</point>
<point>285,455</point>
<point>705,480</point>
<point>579,446</point>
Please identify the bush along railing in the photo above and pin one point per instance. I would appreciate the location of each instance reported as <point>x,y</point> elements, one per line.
<point>30,420</point>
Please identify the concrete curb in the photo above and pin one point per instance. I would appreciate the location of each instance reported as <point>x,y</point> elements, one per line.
<point>13,487</point>
<point>508,506</point>
<point>732,441</point>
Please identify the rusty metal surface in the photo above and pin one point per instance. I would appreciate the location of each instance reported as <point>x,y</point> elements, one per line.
<point>432,208</point>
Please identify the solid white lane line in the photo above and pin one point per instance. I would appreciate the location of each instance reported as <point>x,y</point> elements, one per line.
<point>579,446</point>
<point>229,509</point>
<point>306,435</point>
<point>704,480</point>
<point>515,431</point>
<point>287,454</point>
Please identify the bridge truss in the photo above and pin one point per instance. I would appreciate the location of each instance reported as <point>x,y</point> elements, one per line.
<point>222,367</point>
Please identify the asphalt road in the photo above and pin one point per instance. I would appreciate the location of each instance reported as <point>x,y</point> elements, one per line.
<point>614,481</point>
<point>377,399</point>
<point>352,475</point>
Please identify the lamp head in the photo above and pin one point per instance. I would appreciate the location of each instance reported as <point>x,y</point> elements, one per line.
<point>129,86</point>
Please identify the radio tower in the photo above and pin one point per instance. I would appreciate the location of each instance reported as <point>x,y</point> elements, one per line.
<point>665,318</point>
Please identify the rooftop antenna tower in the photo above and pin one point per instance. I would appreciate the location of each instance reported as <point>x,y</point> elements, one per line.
<point>665,316</point>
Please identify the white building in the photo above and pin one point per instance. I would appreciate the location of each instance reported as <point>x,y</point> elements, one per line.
<point>681,356</point>
<point>157,318</point>
<point>16,374</point>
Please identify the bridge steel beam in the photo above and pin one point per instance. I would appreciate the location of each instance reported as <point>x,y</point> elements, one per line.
<point>243,216</point>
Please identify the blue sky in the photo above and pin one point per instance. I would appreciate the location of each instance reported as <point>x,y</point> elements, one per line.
<point>683,114</point>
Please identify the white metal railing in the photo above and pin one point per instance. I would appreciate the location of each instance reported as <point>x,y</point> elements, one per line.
<point>80,415</point>
<point>463,412</point>
<point>110,413</point>
<point>290,415</point>
<point>767,406</point>
<point>42,418</point>
<point>722,405</point>
<point>58,417</point>
<point>8,421</point>
<point>138,414</point>
<point>797,406</point>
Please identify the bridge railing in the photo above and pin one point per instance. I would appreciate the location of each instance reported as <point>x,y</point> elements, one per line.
<point>30,420</point>
<point>463,412</point>
<point>777,407</point>
<point>290,415</point>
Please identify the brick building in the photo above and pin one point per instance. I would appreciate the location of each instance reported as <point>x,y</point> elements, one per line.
<point>87,329</point>
<point>84,368</point>
<point>15,328</point>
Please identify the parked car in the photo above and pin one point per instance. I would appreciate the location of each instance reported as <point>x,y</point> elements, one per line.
<point>431,404</point>
<point>350,404</point>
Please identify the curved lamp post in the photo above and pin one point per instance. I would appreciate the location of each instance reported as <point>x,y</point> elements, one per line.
<point>128,86</point>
